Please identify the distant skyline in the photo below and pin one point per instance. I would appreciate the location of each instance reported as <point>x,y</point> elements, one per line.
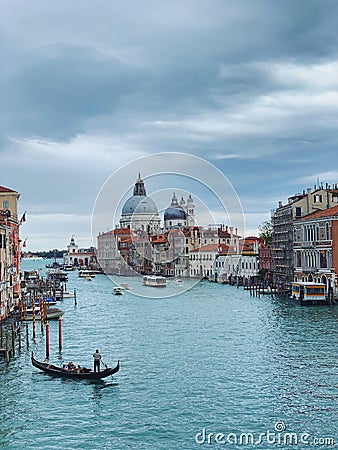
<point>250,86</point>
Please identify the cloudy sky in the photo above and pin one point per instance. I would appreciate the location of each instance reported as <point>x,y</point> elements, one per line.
<point>86,87</point>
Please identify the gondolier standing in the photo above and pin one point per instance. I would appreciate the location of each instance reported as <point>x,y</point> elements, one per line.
<point>97,359</point>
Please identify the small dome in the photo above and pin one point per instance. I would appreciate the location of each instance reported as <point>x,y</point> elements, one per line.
<point>174,214</point>
<point>139,204</point>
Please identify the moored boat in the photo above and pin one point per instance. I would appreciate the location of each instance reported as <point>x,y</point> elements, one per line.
<point>308,292</point>
<point>68,294</point>
<point>84,273</point>
<point>87,375</point>
<point>52,313</point>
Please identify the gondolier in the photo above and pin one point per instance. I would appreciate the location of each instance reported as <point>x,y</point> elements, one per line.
<point>97,360</point>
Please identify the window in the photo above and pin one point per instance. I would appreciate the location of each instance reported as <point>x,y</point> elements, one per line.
<point>5,204</point>
<point>317,198</point>
<point>298,212</point>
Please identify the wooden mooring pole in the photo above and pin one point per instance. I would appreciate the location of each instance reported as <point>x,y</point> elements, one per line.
<point>19,337</point>
<point>47,340</point>
<point>13,339</point>
<point>60,333</point>
<point>27,337</point>
<point>34,320</point>
<point>7,348</point>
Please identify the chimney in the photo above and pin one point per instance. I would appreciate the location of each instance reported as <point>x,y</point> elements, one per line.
<point>308,191</point>
<point>280,204</point>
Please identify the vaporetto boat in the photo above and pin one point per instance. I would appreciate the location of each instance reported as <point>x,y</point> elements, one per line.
<point>154,281</point>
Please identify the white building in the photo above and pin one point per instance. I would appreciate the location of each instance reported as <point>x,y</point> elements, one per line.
<point>202,260</point>
<point>230,266</point>
<point>75,257</point>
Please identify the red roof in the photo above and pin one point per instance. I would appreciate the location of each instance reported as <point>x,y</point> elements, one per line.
<point>212,248</point>
<point>4,189</point>
<point>122,231</point>
<point>158,238</point>
<point>322,213</point>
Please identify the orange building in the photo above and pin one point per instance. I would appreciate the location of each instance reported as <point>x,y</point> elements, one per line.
<point>9,251</point>
<point>315,249</point>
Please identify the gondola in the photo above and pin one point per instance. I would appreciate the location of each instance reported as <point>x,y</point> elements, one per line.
<point>59,372</point>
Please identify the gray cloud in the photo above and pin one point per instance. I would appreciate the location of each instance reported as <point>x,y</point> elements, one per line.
<point>60,88</point>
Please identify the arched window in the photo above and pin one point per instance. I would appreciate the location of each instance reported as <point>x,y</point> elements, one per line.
<point>324,280</point>
<point>327,229</point>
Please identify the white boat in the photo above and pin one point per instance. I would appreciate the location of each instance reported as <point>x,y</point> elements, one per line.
<point>178,281</point>
<point>68,294</point>
<point>118,290</point>
<point>86,273</point>
<point>154,281</point>
<point>52,313</point>
<point>124,285</point>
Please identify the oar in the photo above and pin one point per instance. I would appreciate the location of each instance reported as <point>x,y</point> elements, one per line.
<point>105,365</point>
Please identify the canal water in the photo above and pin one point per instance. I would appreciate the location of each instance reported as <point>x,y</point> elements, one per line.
<point>202,369</point>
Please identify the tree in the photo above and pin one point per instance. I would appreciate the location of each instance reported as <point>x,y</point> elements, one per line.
<point>265,232</point>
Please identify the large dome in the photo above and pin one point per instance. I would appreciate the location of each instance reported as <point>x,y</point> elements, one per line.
<point>174,214</point>
<point>139,204</point>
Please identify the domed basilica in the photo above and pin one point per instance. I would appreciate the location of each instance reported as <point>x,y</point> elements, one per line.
<point>140,212</point>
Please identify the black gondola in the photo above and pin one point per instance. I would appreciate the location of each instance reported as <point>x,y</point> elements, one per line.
<point>59,372</point>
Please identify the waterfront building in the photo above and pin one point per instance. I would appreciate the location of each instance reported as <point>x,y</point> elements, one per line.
<point>230,267</point>
<point>243,264</point>
<point>113,251</point>
<point>265,262</point>
<point>75,257</point>
<point>220,234</point>
<point>282,219</point>
<point>202,260</point>
<point>315,249</point>
<point>9,251</point>
<point>178,254</point>
<point>160,246</point>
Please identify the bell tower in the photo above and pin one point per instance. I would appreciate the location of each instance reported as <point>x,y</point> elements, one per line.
<point>190,208</point>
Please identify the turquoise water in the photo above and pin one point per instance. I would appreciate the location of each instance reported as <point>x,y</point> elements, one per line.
<point>212,358</point>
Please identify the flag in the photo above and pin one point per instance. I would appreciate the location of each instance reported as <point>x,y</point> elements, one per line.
<point>23,218</point>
